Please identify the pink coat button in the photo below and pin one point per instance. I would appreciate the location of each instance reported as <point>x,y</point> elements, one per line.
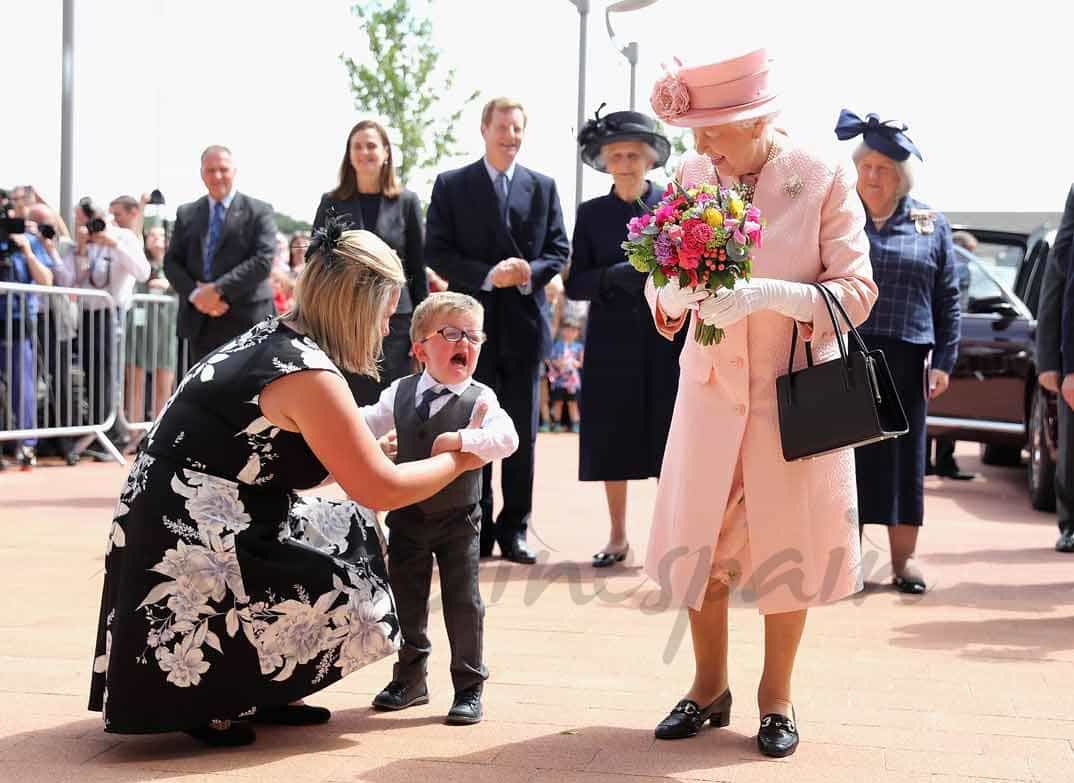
<point>740,410</point>
<point>739,362</point>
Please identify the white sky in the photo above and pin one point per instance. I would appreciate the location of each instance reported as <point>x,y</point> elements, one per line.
<point>983,86</point>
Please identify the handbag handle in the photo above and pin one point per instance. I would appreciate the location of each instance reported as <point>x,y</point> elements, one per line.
<point>831,303</point>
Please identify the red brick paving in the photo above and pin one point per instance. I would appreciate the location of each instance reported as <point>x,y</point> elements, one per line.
<point>972,682</point>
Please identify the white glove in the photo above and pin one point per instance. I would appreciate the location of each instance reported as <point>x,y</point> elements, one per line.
<point>675,301</point>
<point>727,307</point>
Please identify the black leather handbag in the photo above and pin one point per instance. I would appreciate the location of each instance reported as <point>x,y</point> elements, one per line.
<point>846,402</point>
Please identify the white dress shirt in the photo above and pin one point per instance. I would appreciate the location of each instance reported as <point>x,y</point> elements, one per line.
<point>496,439</point>
<point>111,269</point>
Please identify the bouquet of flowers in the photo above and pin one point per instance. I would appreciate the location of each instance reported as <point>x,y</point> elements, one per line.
<point>702,235</point>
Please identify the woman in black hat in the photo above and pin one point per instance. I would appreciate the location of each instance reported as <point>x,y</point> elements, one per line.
<point>916,323</point>
<point>631,372</point>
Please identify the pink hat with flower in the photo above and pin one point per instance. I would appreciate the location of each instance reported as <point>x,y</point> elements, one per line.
<point>717,93</point>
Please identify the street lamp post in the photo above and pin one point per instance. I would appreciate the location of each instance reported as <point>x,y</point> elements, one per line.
<point>583,19</point>
<point>67,103</point>
<point>630,50</point>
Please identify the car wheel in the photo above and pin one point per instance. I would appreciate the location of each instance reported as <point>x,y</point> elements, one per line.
<point>1001,456</point>
<point>1041,472</point>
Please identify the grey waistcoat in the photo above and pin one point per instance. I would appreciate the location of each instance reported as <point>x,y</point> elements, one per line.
<point>415,441</point>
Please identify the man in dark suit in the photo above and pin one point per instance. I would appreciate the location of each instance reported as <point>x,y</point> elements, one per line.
<point>1055,363</point>
<point>495,230</point>
<point>220,258</point>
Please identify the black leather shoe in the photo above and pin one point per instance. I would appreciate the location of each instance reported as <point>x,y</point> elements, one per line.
<point>1065,542</point>
<point>466,709</point>
<point>912,585</point>
<point>224,734</point>
<point>517,552</point>
<point>951,470</point>
<point>398,696</point>
<point>687,718</point>
<point>778,736</point>
<point>292,715</point>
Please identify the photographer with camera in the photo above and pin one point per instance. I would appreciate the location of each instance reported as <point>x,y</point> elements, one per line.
<point>57,327</point>
<point>105,258</point>
<point>22,260</point>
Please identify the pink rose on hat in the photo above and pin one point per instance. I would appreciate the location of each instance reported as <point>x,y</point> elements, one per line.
<point>670,98</point>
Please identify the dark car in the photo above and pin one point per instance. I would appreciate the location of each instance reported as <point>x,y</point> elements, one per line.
<point>994,398</point>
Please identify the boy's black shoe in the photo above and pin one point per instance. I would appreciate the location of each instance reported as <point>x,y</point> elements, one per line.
<point>398,696</point>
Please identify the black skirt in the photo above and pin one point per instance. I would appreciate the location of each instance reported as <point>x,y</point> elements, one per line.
<point>891,473</point>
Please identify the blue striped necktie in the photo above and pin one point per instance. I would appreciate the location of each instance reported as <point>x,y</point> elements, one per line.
<point>216,223</point>
<point>502,189</point>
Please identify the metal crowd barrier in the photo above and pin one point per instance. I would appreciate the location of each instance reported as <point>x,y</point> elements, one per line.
<point>153,360</point>
<point>73,366</point>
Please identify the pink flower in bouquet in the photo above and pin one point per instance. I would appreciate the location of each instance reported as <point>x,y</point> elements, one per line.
<point>670,98</point>
<point>674,232</point>
<point>664,213</point>
<point>739,237</point>
<point>696,234</point>
<point>730,223</point>
<point>753,214</point>
<point>637,225</point>
<point>752,230</point>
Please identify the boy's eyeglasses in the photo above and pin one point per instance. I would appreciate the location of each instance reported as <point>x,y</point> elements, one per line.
<point>453,335</point>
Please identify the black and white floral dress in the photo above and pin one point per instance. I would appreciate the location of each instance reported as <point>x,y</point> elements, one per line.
<point>223,589</point>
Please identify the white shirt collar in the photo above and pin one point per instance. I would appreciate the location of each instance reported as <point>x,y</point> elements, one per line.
<point>427,382</point>
<point>226,202</point>
<point>493,172</point>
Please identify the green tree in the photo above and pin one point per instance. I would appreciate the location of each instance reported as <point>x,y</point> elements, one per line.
<point>398,79</point>
<point>286,224</point>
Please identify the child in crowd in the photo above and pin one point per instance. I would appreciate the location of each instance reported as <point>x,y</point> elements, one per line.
<point>564,374</point>
<point>441,409</point>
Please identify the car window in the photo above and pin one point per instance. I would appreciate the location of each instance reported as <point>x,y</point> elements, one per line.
<point>978,285</point>
<point>1003,261</point>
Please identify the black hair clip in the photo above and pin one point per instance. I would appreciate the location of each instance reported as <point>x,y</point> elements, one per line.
<point>326,237</point>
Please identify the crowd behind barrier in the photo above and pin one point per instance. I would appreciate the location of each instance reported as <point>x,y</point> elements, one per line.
<point>73,367</point>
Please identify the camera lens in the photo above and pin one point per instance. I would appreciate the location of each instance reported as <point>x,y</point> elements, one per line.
<point>96,225</point>
<point>47,231</point>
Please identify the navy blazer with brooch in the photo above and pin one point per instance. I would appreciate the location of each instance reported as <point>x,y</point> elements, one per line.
<point>241,266</point>
<point>399,224</point>
<point>465,238</point>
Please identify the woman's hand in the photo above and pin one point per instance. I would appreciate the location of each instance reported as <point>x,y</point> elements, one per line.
<point>728,307</point>
<point>938,383</point>
<point>675,300</point>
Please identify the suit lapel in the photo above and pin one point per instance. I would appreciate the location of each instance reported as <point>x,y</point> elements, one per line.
<point>486,203</point>
<point>519,200</point>
<point>233,218</point>
<point>201,225</point>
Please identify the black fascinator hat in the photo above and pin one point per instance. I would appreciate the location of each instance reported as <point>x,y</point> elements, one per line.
<point>621,126</point>
<point>325,238</point>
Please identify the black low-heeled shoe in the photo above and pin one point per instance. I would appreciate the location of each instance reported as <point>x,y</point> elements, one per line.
<point>604,559</point>
<point>687,718</point>
<point>224,734</point>
<point>292,715</point>
<point>911,585</point>
<point>778,735</point>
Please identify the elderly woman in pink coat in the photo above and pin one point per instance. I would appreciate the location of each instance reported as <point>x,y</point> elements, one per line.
<point>730,512</point>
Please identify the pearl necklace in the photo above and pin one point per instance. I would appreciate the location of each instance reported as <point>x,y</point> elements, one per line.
<point>747,189</point>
